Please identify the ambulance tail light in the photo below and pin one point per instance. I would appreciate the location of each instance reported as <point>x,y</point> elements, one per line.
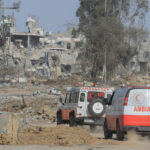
<point>126,101</point>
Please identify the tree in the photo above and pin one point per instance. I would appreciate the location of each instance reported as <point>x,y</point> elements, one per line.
<point>104,24</point>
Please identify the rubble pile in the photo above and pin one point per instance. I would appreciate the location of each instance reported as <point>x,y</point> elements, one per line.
<point>36,111</point>
<point>34,104</point>
<point>136,80</point>
<point>47,113</point>
<point>59,136</point>
<point>4,140</point>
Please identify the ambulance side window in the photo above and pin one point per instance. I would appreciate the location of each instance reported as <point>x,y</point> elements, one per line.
<point>73,97</point>
<point>82,97</point>
<point>77,97</point>
<point>67,98</point>
<point>118,97</point>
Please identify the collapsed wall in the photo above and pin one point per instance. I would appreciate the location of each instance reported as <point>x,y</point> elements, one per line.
<point>41,63</point>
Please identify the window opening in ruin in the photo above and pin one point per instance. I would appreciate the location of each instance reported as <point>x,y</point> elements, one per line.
<point>68,45</point>
<point>65,68</point>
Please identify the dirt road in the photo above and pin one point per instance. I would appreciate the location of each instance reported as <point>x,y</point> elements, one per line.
<point>66,138</point>
<point>81,147</point>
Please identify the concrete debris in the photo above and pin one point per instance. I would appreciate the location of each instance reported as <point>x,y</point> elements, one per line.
<point>13,127</point>
<point>4,84</point>
<point>36,93</point>
<point>86,83</point>
<point>49,93</point>
<point>47,113</point>
<point>140,80</point>
<point>66,75</point>
<point>56,92</point>
<point>9,98</point>
<point>22,80</point>
<point>4,117</point>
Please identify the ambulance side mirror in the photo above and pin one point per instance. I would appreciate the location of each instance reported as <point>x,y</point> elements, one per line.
<point>108,98</point>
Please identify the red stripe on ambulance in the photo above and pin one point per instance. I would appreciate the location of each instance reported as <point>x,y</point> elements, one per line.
<point>136,120</point>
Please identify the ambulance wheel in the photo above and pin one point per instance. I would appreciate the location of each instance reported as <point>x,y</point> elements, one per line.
<point>72,121</point>
<point>59,118</point>
<point>120,134</point>
<point>107,133</point>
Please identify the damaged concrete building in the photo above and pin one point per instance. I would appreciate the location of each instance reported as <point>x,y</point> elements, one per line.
<point>30,38</point>
<point>56,57</point>
<point>54,63</point>
<point>31,54</point>
<point>141,62</point>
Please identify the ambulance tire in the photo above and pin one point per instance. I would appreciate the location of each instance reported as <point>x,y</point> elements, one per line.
<point>59,118</point>
<point>120,134</point>
<point>107,133</point>
<point>72,121</point>
<point>91,108</point>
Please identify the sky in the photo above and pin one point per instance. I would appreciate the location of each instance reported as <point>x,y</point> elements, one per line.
<point>53,15</point>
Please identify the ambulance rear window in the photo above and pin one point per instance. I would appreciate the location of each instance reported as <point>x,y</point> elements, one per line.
<point>93,95</point>
<point>139,97</point>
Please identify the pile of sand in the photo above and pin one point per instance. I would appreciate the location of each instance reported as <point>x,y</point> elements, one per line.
<point>59,136</point>
<point>4,140</point>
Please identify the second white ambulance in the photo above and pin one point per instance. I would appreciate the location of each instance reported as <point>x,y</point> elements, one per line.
<point>129,108</point>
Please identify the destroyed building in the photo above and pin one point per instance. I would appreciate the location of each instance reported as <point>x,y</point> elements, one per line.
<point>141,62</point>
<point>60,60</point>
<point>31,54</point>
<point>30,38</point>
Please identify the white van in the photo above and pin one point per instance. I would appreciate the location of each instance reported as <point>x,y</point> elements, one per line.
<point>129,108</point>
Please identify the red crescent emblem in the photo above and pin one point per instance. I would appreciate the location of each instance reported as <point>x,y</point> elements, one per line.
<point>137,98</point>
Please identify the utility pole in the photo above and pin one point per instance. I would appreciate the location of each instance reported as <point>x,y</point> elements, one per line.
<point>2,17</point>
<point>105,53</point>
<point>3,26</point>
<point>1,9</point>
<point>2,33</point>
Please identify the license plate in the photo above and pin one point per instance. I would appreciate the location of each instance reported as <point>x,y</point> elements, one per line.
<point>88,121</point>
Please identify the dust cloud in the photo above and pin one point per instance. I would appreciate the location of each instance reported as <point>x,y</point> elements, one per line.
<point>136,138</point>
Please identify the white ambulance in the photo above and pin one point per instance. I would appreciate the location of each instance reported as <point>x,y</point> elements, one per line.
<point>129,108</point>
<point>84,105</point>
